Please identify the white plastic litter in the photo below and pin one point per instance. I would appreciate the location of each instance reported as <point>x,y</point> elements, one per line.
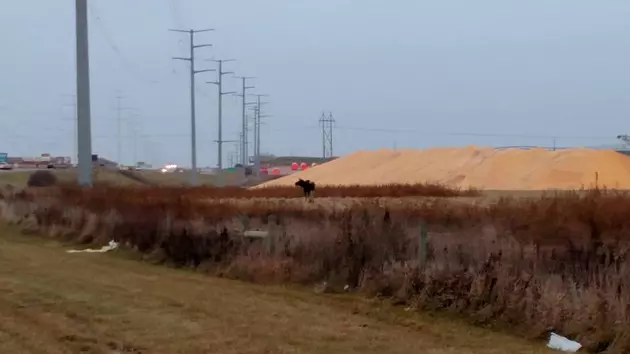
<point>111,246</point>
<point>561,343</point>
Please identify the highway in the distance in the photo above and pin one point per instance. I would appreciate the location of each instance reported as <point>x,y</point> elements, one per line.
<point>21,170</point>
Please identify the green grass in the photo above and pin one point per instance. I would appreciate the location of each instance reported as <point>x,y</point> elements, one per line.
<point>55,302</point>
<point>19,178</point>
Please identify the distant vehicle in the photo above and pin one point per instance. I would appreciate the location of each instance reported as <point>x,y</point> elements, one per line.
<point>142,166</point>
<point>5,166</point>
<point>169,168</point>
<point>4,162</point>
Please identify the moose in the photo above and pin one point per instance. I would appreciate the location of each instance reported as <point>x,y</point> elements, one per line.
<point>307,186</point>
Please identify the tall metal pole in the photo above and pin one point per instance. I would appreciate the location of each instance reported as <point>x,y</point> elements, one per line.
<point>256,138</point>
<point>322,120</point>
<point>244,128</point>
<point>257,118</point>
<point>193,119</point>
<point>193,72</point>
<point>118,130</point>
<point>134,133</point>
<point>84,128</point>
<point>258,133</point>
<point>220,115</point>
<point>219,83</point>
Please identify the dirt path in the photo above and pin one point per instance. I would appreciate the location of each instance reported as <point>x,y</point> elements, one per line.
<point>54,302</point>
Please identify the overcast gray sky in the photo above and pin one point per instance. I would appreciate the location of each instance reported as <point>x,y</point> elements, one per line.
<point>399,73</point>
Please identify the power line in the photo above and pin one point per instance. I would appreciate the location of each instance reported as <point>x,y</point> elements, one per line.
<point>193,72</point>
<point>290,127</point>
<point>115,48</point>
<point>177,19</point>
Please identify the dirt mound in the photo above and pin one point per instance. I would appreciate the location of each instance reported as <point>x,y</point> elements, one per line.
<point>487,168</point>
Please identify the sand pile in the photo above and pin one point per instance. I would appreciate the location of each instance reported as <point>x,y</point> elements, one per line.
<point>487,168</point>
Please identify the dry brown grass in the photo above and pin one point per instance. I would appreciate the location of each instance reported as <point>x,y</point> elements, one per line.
<point>557,260</point>
<point>206,192</point>
<point>53,302</point>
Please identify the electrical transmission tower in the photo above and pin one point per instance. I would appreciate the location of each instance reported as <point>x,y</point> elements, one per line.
<point>244,129</point>
<point>193,72</point>
<point>219,83</point>
<point>327,123</point>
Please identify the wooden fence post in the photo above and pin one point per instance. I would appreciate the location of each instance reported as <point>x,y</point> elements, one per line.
<point>168,224</point>
<point>423,244</point>
<point>271,244</point>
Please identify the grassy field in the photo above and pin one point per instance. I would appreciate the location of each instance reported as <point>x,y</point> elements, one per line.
<point>19,178</point>
<point>54,302</point>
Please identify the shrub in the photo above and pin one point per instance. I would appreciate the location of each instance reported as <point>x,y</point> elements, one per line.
<point>384,191</point>
<point>41,178</point>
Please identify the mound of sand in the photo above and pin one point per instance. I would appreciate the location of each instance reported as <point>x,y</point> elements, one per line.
<point>486,168</point>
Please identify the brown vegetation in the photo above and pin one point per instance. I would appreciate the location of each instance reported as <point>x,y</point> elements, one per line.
<point>533,264</point>
<point>205,192</point>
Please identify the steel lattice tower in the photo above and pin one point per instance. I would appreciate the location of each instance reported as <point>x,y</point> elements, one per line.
<point>327,123</point>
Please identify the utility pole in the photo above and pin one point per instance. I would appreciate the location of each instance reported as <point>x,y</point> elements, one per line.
<point>240,147</point>
<point>244,130</point>
<point>257,117</point>
<point>219,84</point>
<point>193,72</point>
<point>327,134</point>
<point>233,157</point>
<point>255,136</point>
<point>84,124</point>
<point>230,158</point>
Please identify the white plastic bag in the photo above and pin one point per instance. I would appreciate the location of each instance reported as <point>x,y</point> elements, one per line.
<point>561,343</point>
<point>112,246</point>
